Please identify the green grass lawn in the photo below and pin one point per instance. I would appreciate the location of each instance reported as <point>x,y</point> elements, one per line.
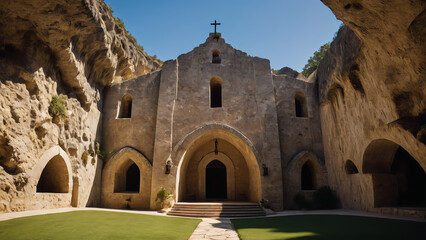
<point>329,227</point>
<point>95,225</point>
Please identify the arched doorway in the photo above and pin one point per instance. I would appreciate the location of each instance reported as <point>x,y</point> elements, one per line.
<point>398,178</point>
<point>307,177</point>
<point>133,177</point>
<point>216,180</point>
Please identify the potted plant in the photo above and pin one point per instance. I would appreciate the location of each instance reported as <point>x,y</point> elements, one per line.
<point>264,203</point>
<point>165,198</point>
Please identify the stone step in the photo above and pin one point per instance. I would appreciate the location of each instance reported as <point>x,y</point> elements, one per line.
<point>217,210</point>
<point>206,210</point>
<point>211,215</point>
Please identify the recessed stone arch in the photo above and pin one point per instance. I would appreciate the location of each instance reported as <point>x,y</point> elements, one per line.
<point>114,194</point>
<point>398,178</point>
<point>183,151</point>
<point>51,180</point>
<point>293,174</point>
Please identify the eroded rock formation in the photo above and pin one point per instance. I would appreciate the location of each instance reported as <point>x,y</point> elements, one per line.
<point>372,87</point>
<point>49,48</point>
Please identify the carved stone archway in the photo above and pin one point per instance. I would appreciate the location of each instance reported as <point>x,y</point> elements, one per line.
<point>185,148</point>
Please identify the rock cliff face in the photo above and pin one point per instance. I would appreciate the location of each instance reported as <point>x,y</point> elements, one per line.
<point>49,48</point>
<point>372,87</point>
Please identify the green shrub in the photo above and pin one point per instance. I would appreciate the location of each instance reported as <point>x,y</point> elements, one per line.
<point>163,194</point>
<point>99,151</point>
<point>265,203</point>
<point>57,107</point>
<point>85,157</point>
<point>325,198</point>
<point>300,201</point>
<point>91,152</point>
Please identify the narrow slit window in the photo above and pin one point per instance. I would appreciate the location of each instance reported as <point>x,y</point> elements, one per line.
<point>215,92</point>
<point>126,107</point>
<point>307,177</point>
<point>301,105</point>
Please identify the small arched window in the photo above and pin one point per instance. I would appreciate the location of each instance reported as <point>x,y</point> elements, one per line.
<point>307,177</point>
<point>215,92</point>
<point>216,56</point>
<point>54,178</point>
<point>301,105</point>
<point>350,167</point>
<point>126,107</point>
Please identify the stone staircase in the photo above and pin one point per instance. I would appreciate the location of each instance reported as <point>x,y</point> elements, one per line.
<point>216,209</point>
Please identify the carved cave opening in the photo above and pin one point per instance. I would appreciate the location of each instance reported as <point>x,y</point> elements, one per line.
<point>54,178</point>
<point>398,178</point>
<point>350,167</point>
<point>411,180</point>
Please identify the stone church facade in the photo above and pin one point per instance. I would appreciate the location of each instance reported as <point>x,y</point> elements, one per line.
<point>215,124</point>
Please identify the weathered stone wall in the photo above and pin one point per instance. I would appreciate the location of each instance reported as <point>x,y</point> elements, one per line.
<point>371,86</point>
<point>298,134</point>
<point>49,48</point>
<point>139,130</point>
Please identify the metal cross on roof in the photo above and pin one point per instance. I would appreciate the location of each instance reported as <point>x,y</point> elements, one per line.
<point>215,24</point>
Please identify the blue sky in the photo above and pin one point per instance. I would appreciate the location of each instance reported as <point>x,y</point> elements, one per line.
<point>286,32</point>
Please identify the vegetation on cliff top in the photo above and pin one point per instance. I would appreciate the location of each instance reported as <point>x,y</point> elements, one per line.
<point>314,61</point>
